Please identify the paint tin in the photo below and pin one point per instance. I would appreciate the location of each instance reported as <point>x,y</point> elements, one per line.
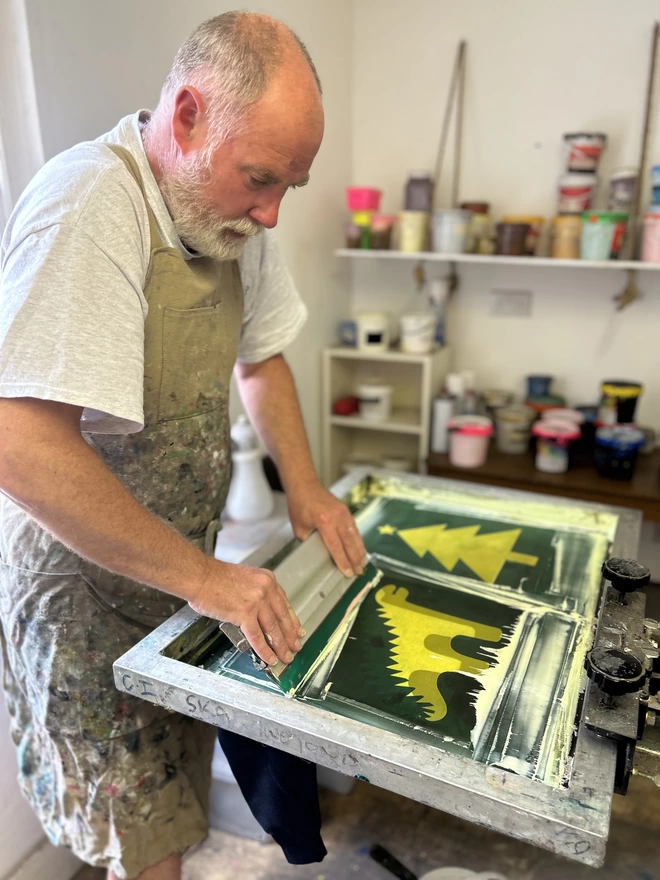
<point>542,404</point>
<point>617,448</point>
<point>449,231</point>
<point>535,224</point>
<point>468,440</point>
<point>618,402</point>
<point>493,399</point>
<point>513,425</point>
<point>566,231</point>
<point>375,401</point>
<point>418,193</point>
<point>413,230</point>
<point>380,227</point>
<point>553,439</point>
<point>583,150</point>
<point>511,239</point>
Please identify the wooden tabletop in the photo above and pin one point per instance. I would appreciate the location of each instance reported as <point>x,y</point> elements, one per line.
<point>582,482</point>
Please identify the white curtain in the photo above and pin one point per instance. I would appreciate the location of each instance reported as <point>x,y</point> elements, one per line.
<point>21,148</point>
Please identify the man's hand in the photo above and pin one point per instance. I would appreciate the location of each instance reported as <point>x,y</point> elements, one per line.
<point>317,509</point>
<point>251,599</point>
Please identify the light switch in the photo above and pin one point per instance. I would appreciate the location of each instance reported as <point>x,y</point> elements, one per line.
<point>510,303</point>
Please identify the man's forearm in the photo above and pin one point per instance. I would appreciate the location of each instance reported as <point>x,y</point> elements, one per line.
<point>61,482</point>
<point>269,395</point>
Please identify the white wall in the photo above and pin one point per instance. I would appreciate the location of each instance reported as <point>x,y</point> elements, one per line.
<point>535,71</point>
<point>95,62</point>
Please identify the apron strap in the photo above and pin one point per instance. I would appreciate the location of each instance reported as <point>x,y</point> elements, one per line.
<point>129,161</point>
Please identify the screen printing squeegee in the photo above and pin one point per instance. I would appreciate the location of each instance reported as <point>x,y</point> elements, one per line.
<point>326,603</point>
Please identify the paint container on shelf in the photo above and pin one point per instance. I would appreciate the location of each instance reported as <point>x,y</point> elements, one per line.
<point>413,230</point>
<point>493,399</point>
<point>535,224</point>
<point>622,190</point>
<point>480,228</point>
<point>553,439</point>
<point>538,385</point>
<point>380,227</point>
<point>511,239</point>
<point>449,230</point>
<point>418,194</point>
<point>618,402</point>
<point>650,441</point>
<point>566,232</point>
<point>359,220</point>
<point>417,332</point>
<point>583,150</point>
<point>651,238</point>
<point>513,429</point>
<point>375,401</point>
<point>468,440</point>
<point>348,333</point>
<point>584,448</point>
<point>373,331</point>
<point>577,193</point>
<point>655,184</point>
<point>574,416</point>
<point>617,448</point>
<point>363,198</point>
<point>346,406</point>
<point>602,234</point>
<point>443,410</point>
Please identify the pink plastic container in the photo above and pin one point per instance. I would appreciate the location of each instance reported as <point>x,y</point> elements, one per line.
<point>468,440</point>
<point>651,239</point>
<point>363,198</point>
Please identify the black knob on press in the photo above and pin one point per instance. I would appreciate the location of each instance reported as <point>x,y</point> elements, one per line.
<point>626,575</point>
<point>616,672</point>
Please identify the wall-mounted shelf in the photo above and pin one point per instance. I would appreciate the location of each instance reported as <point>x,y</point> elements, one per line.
<point>479,259</point>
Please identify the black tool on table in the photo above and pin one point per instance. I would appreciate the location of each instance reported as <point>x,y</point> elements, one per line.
<point>386,860</point>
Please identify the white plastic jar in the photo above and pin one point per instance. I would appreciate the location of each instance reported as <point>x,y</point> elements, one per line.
<point>375,401</point>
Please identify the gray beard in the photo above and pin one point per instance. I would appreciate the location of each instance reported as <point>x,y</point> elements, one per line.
<point>199,227</point>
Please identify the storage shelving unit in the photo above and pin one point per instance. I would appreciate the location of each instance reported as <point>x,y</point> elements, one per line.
<point>416,378</point>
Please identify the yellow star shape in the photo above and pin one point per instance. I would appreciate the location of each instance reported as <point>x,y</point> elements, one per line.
<point>387,530</point>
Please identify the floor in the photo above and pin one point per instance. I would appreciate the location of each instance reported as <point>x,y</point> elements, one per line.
<point>423,839</point>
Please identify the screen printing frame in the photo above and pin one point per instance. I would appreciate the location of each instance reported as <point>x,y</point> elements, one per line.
<point>572,821</point>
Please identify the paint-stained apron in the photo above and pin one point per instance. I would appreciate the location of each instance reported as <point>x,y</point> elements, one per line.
<point>123,782</point>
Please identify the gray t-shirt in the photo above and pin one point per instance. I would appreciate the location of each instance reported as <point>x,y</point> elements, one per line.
<point>73,262</point>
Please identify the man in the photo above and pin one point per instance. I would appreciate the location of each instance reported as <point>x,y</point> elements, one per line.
<point>123,310</point>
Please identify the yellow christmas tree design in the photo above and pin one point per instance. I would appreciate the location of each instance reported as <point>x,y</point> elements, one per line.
<point>485,554</point>
<point>422,648</point>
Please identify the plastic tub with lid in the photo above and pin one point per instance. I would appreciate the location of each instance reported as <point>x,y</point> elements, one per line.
<point>468,440</point>
<point>618,402</point>
<point>577,193</point>
<point>553,440</point>
<point>375,401</point>
<point>363,198</point>
<point>535,224</point>
<point>566,232</point>
<point>602,234</point>
<point>622,189</point>
<point>617,448</point>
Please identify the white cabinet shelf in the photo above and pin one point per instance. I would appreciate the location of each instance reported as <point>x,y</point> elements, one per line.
<point>415,378</point>
<point>402,420</point>
<point>480,259</point>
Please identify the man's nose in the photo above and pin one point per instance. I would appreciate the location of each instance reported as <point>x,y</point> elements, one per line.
<point>267,211</point>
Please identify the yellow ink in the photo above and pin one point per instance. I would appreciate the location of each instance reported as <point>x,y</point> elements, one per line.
<point>422,648</point>
<point>484,554</point>
<point>387,530</point>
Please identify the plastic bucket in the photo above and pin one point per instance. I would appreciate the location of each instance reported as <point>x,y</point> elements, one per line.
<point>552,442</point>
<point>513,429</point>
<point>602,234</point>
<point>617,448</point>
<point>576,193</point>
<point>468,440</point>
<point>417,332</point>
<point>583,150</point>
<point>413,230</point>
<point>375,402</point>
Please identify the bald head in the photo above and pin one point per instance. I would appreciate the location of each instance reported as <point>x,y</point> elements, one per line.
<point>233,59</point>
<point>238,125</point>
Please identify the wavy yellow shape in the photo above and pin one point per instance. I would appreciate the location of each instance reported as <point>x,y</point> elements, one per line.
<point>422,647</point>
